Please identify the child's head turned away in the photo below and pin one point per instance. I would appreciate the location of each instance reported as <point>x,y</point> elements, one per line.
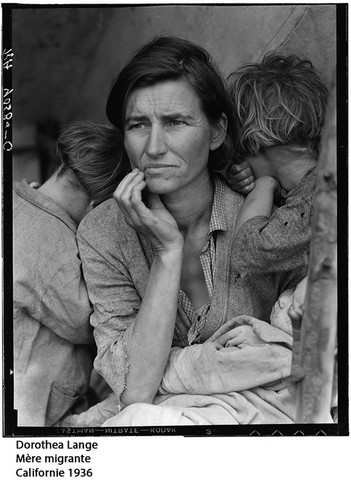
<point>93,153</point>
<point>279,101</point>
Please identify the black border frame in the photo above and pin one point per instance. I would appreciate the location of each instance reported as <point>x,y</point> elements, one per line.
<point>10,428</point>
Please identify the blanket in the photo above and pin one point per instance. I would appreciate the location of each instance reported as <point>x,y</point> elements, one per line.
<point>238,376</point>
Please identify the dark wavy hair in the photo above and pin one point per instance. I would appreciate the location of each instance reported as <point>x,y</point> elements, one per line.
<point>170,58</point>
<point>279,101</point>
<point>94,153</point>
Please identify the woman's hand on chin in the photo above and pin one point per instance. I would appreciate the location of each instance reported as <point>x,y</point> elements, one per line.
<point>155,222</point>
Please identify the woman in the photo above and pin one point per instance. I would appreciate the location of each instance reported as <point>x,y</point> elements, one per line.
<point>157,264</point>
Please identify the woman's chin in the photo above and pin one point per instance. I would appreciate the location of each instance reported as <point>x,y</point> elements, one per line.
<point>159,186</point>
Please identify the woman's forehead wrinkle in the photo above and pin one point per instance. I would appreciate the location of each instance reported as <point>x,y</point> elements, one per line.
<point>163,102</point>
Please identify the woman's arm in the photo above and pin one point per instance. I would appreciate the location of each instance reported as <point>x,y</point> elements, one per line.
<point>244,353</point>
<point>149,342</point>
<point>133,335</point>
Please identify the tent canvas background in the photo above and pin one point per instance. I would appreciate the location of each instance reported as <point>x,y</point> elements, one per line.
<point>66,57</point>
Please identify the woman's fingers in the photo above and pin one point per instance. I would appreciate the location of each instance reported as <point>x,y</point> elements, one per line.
<point>124,190</point>
<point>152,220</point>
<point>125,182</point>
<point>223,339</point>
<point>130,187</point>
<point>154,201</point>
<point>233,333</point>
<point>134,195</point>
<point>123,193</point>
<point>140,212</point>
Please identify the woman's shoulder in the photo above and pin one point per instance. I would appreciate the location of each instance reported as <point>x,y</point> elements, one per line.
<point>104,221</point>
<point>228,196</point>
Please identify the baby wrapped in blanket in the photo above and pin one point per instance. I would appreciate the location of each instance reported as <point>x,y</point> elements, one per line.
<point>241,375</point>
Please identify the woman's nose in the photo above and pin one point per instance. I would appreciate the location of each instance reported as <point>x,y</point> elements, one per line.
<point>156,144</point>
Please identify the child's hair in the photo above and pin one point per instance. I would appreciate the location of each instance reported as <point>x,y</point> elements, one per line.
<point>279,101</point>
<point>93,152</point>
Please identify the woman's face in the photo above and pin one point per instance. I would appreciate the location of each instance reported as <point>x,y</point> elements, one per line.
<point>168,136</point>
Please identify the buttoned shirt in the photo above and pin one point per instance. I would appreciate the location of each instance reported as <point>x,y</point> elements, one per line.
<point>218,222</point>
<point>117,262</point>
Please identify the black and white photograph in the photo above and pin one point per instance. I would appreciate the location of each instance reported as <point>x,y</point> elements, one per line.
<point>171,256</point>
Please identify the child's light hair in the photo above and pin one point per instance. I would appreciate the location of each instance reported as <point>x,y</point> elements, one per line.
<point>280,101</point>
<point>93,152</point>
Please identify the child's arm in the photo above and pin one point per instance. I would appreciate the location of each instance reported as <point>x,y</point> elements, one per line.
<point>277,242</point>
<point>259,202</point>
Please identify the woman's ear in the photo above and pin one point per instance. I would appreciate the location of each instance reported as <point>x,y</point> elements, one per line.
<point>219,132</point>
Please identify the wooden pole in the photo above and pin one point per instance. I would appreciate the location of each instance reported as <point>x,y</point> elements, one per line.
<point>318,328</point>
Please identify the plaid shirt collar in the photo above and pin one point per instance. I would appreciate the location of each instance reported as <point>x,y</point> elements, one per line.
<point>218,215</point>
<point>218,222</point>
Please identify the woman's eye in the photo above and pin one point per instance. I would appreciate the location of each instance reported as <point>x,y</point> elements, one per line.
<point>136,126</point>
<point>176,123</point>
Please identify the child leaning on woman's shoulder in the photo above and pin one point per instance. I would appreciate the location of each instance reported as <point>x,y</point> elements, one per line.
<point>280,104</point>
<point>53,339</point>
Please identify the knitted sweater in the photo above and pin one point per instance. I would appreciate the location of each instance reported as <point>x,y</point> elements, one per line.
<point>116,263</point>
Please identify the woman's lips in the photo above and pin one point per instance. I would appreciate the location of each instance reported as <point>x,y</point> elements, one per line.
<point>159,168</point>
<point>157,165</point>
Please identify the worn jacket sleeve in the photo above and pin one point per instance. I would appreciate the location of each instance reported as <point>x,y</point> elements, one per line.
<point>276,244</point>
<point>115,302</point>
